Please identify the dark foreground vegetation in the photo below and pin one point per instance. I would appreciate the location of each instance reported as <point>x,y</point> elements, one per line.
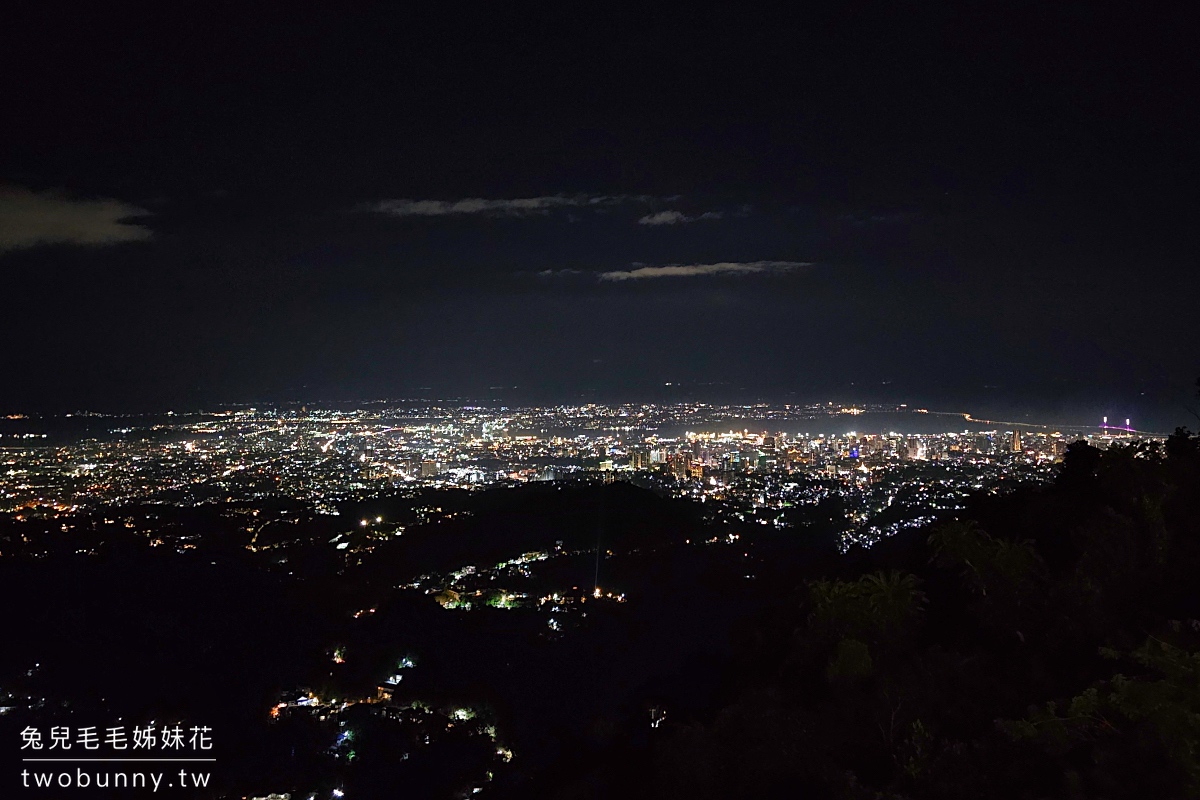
<point>1045,645</point>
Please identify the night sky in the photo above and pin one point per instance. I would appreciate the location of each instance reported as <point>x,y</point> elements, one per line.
<point>942,203</point>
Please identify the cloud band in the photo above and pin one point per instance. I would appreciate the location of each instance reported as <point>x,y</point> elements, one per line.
<point>697,270</point>
<point>516,207</point>
<point>29,219</point>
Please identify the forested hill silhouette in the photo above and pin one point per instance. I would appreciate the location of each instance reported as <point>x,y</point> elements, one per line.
<point>1044,644</point>
<point>488,527</point>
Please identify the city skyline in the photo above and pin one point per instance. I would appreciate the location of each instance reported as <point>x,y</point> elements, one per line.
<point>324,456</point>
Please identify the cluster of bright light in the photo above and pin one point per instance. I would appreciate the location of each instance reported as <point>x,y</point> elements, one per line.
<point>325,455</point>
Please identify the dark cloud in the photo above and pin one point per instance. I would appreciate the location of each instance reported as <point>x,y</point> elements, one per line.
<point>696,270</point>
<point>677,217</point>
<point>29,219</point>
<point>515,207</point>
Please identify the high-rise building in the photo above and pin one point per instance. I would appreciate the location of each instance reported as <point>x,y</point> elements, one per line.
<point>678,464</point>
<point>1016,441</point>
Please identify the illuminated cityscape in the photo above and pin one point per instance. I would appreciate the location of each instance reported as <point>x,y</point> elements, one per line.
<point>450,401</point>
<point>407,508</point>
<point>325,457</point>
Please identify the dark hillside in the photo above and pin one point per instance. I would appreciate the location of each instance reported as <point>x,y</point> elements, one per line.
<point>1046,644</point>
